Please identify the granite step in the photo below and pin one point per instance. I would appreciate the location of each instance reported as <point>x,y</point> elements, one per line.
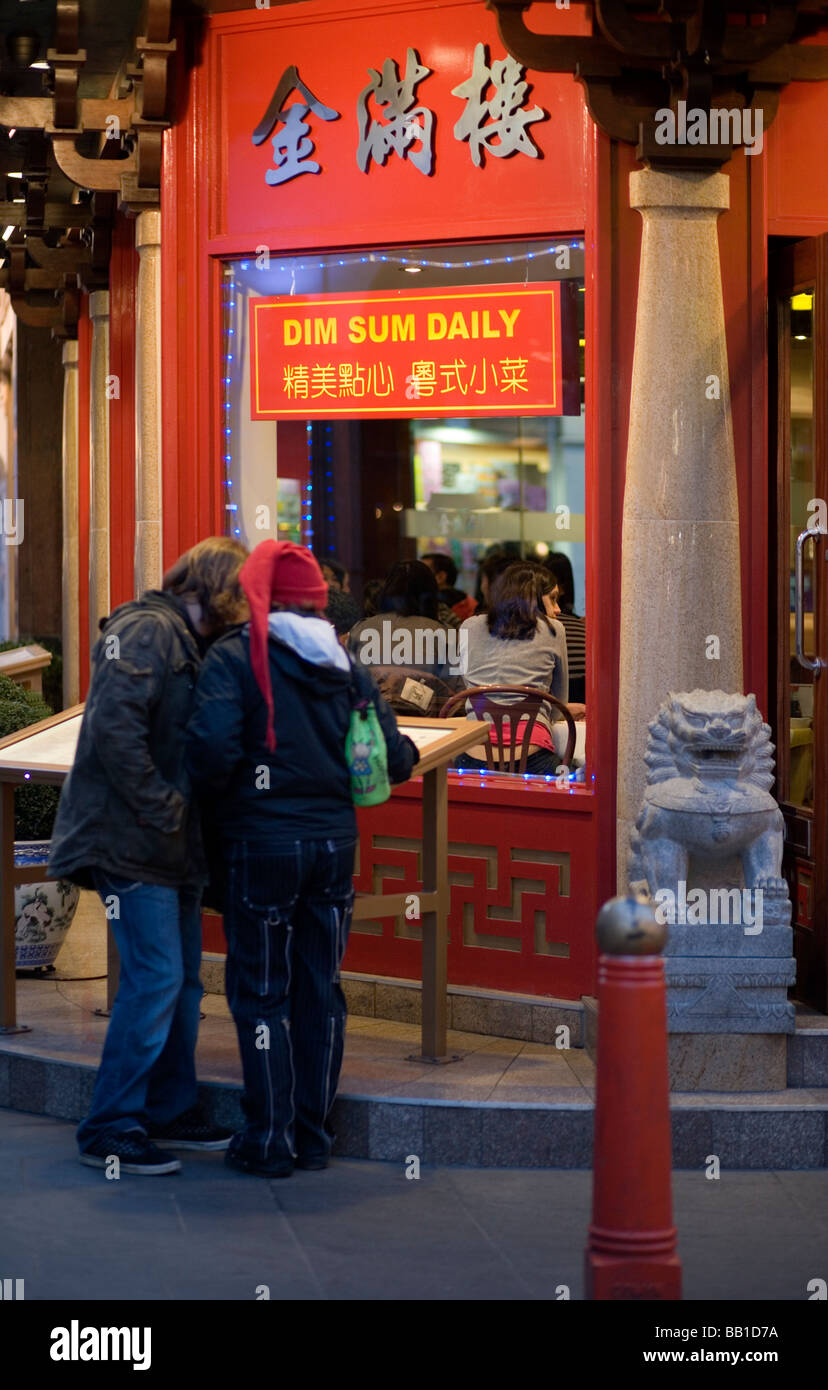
<point>808,1049</point>
<point>507,1102</point>
<point>783,1130</point>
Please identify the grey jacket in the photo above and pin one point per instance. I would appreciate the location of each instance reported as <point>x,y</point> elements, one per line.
<point>125,806</point>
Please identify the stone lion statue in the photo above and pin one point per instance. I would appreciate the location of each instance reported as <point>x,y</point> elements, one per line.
<point>710,762</point>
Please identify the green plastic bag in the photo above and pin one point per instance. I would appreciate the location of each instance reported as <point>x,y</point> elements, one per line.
<point>367,756</point>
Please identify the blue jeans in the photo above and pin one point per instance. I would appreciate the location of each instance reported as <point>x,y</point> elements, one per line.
<point>287,917</point>
<point>147,1072</point>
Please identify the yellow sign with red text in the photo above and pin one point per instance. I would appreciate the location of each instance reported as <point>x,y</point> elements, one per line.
<point>488,351</point>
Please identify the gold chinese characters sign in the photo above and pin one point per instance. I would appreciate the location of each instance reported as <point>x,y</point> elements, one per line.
<point>492,351</point>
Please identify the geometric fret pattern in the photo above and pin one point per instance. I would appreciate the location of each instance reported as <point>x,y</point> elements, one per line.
<point>475,867</point>
<point>503,899</point>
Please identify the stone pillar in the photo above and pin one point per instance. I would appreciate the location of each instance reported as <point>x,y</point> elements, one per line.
<point>98,463</point>
<point>681,625</point>
<point>71,572</point>
<point>148,539</point>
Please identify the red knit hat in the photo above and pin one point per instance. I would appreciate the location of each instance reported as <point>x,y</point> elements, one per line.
<point>276,572</point>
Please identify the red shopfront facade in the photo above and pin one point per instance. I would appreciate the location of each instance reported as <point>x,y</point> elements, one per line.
<point>530,863</point>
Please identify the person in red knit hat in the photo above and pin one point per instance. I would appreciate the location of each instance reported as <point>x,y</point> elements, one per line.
<point>266,750</point>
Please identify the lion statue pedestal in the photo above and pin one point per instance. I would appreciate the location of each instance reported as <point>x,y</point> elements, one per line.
<point>707,852</point>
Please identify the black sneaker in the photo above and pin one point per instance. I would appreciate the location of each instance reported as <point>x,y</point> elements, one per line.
<point>240,1158</point>
<point>192,1130</point>
<point>134,1151</point>
<point>312,1163</point>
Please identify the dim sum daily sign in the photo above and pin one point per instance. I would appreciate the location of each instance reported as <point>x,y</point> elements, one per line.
<point>492,351</point>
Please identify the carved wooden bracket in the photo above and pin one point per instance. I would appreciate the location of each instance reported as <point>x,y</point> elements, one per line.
<point>61,315</point>
<point>99,175</point>
<point>98,238</point>
<point>134,124</point>
<point>44,279</point>
<point>70,258</point>
<point>644,58</point>
<point>66,59</point>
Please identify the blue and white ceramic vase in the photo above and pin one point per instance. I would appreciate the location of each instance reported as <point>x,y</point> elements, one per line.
<point>43,912</point>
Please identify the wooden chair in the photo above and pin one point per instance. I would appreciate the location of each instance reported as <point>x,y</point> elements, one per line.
<point>483,702</point>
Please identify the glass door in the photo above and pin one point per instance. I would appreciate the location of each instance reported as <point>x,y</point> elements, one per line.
<point>800,507</point>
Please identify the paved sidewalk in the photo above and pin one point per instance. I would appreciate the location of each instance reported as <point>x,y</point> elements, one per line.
<point>362,1230</point>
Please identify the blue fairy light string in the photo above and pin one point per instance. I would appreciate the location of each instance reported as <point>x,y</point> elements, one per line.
<point>329,494</point>
<point>307,497</point>
<point>410,263</point>
<point>230,507</point>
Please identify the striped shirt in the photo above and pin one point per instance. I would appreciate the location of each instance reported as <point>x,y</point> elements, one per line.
<point>575,629</point>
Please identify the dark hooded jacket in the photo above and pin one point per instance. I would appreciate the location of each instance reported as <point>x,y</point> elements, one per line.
<point>125,806</point>
<point>303,789</point>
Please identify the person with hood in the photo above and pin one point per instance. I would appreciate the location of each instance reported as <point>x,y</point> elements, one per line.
<point>125,827</point>
<point>266,747</point>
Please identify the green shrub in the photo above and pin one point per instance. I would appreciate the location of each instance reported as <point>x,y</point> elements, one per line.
<point>34,807</point>
<point>53,674</point>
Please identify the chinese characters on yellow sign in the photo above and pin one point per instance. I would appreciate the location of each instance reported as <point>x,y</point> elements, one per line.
<point>446,352</point>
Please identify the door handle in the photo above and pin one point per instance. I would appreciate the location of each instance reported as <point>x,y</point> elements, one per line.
<point>810,663</point>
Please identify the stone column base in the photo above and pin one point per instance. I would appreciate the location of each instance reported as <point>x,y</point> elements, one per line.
<point>732,979</point>
<point>728,1062</point>
<point>719,995</point>
<point>724,1062</point>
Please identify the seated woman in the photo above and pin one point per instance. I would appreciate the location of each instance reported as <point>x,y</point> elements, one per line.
<point>517,642</point>
<point>410,652</point>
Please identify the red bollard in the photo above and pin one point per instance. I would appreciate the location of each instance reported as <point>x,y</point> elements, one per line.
<point>631,1252</point>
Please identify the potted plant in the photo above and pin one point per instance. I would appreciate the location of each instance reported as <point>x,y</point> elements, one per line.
<point>43,911</point>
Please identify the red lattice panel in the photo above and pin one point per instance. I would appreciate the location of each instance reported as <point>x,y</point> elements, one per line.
<point>523,900</point>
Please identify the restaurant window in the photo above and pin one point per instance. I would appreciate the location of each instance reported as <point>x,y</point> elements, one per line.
<point>401,402</point>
